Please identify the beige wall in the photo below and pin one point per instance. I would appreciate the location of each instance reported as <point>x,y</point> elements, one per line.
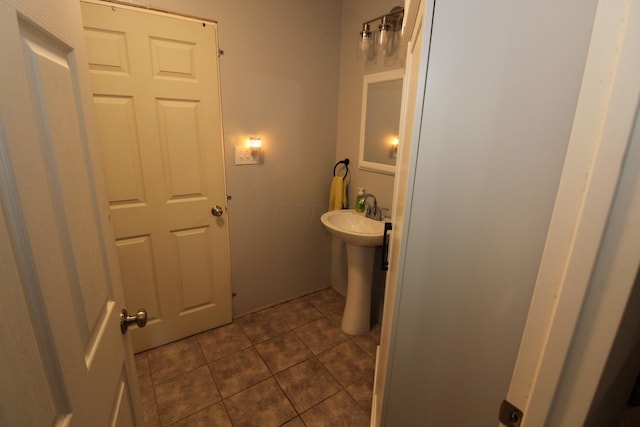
<point>279,80</point>
<point>352,70</point>
<point>354,13</point>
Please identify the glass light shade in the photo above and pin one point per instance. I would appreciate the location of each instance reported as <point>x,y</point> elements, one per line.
<point>384,39</point>
<point>255,142</point>
<point>365,43</point>
<point>393,152</point>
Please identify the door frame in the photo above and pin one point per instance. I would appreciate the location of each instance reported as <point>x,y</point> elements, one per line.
<point>418,21</point>
<point>599,141</point>
<point>150,10</point>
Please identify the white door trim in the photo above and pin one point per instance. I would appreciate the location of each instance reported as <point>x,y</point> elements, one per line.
<point>150,10</point>
<point>410,124</point>
<point>600,136</point>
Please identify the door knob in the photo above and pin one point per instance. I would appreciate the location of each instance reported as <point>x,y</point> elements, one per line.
<point>139,319</point>
<point>217,210</point>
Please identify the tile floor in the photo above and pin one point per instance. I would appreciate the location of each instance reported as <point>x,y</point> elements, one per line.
<point>289,365</point>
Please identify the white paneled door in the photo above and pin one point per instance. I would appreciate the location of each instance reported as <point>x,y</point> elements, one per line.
<point>156,96</point>
<point>64,360</point>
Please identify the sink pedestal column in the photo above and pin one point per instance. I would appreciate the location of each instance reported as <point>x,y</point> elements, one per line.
<point>356,317</point>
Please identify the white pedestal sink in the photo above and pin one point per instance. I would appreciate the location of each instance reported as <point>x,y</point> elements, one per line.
<point>361,234</point>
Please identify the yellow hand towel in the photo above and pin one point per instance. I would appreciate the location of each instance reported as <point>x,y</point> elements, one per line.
<point>336,193</point>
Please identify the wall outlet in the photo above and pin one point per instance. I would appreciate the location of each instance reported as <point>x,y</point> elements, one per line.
<point>247,156</point>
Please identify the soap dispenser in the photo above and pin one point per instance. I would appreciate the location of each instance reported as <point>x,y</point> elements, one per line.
<point>360,200</point>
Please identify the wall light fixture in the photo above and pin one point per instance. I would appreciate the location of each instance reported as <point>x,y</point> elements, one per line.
<point>386,39</point>
<point>394,147</point>
<point>255,146</point>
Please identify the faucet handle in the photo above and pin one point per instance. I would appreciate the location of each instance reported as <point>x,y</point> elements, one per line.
<point>373,212</point>
<point>377,214</point>
<point>367,210</point>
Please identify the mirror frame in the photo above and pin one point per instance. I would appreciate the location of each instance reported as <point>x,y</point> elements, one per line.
<point>385,76</point>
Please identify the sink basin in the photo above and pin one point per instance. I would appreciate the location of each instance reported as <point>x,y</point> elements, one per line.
<point>353,227</point>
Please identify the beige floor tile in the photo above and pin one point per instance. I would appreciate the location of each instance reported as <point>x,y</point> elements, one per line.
<point>263,325</point>
<point>296,422</point>
<point>149,407</point>
<point>327,301</point>
<point>283,351</point>
<point>213,416</point>
<point>174,359</point>
<point>367,342</point>
<point>263,405</point>
<point>179,388</point>
<point>185,395</point>
<point>348,363</point>
<point>338,410</point>
<point>362,391</point>
<point>238,371</point>
<point>320,335</point>
<point>298,312</point>
<point>223,341</point>
<point>143,370</point>
<point>307,384</point>
<point>335,318</point>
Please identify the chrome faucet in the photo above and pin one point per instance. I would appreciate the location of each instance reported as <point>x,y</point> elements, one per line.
<point>371,210</point>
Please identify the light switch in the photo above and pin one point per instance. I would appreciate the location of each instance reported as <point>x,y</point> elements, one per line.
<point>247,156</point>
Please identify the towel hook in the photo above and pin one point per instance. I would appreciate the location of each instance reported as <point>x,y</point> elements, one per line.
<point>346,165</point>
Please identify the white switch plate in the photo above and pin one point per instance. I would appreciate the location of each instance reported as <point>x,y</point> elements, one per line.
<point>244,157</point>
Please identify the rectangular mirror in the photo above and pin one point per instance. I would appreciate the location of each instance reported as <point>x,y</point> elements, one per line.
<point>380,123</point>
